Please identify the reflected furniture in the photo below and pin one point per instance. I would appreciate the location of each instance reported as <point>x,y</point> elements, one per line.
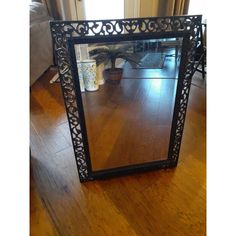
<point>41,52</point>
<point>200,58</point>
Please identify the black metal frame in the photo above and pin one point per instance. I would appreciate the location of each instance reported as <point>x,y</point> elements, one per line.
<point>67,33</point>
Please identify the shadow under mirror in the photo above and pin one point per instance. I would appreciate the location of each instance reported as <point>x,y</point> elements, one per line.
<point>128,92</point>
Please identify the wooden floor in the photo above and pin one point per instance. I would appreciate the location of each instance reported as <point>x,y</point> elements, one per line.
<point>164,202</point>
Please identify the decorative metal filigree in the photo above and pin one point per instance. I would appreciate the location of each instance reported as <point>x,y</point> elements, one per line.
<point>158,26</point>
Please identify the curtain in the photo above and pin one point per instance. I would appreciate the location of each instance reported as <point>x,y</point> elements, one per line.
<point>172,7</point>
<point>60,9</point>
<point>163,7</point>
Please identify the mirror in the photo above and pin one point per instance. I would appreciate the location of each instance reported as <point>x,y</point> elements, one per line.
<point>125,85</point>
<point>128,118</point>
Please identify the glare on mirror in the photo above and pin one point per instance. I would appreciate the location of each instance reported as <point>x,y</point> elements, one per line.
<point>128,93</point>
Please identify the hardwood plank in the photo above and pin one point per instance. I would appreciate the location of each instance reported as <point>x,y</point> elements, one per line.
<point>165,202</point>
<point>40,221</point>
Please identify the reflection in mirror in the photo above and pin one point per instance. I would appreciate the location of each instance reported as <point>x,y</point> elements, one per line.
<point>128,93</point>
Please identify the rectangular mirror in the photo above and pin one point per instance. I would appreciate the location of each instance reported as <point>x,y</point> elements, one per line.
<point>128,119</point>
<point>126,90</point>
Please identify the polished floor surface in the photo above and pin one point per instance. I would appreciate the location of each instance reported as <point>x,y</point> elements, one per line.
<point>164,202</point>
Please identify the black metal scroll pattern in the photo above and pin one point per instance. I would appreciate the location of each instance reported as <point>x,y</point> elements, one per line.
<point>186,83</point>
<point>62,30</point>
<point>68,90</point>
<point>125,26</point>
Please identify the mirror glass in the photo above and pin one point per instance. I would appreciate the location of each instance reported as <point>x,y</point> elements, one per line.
<point>128,92</point>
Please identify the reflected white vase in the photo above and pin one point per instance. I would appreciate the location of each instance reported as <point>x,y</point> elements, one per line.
<point>89,71</point>
<point>80,73</point>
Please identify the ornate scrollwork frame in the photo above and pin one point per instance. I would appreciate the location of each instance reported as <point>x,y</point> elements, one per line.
<point>65,33</point>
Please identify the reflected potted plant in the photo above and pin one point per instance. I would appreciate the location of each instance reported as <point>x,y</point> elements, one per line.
<point>111,53</point>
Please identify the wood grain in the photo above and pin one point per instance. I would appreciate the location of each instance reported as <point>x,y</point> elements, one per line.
<point>164,202</point>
